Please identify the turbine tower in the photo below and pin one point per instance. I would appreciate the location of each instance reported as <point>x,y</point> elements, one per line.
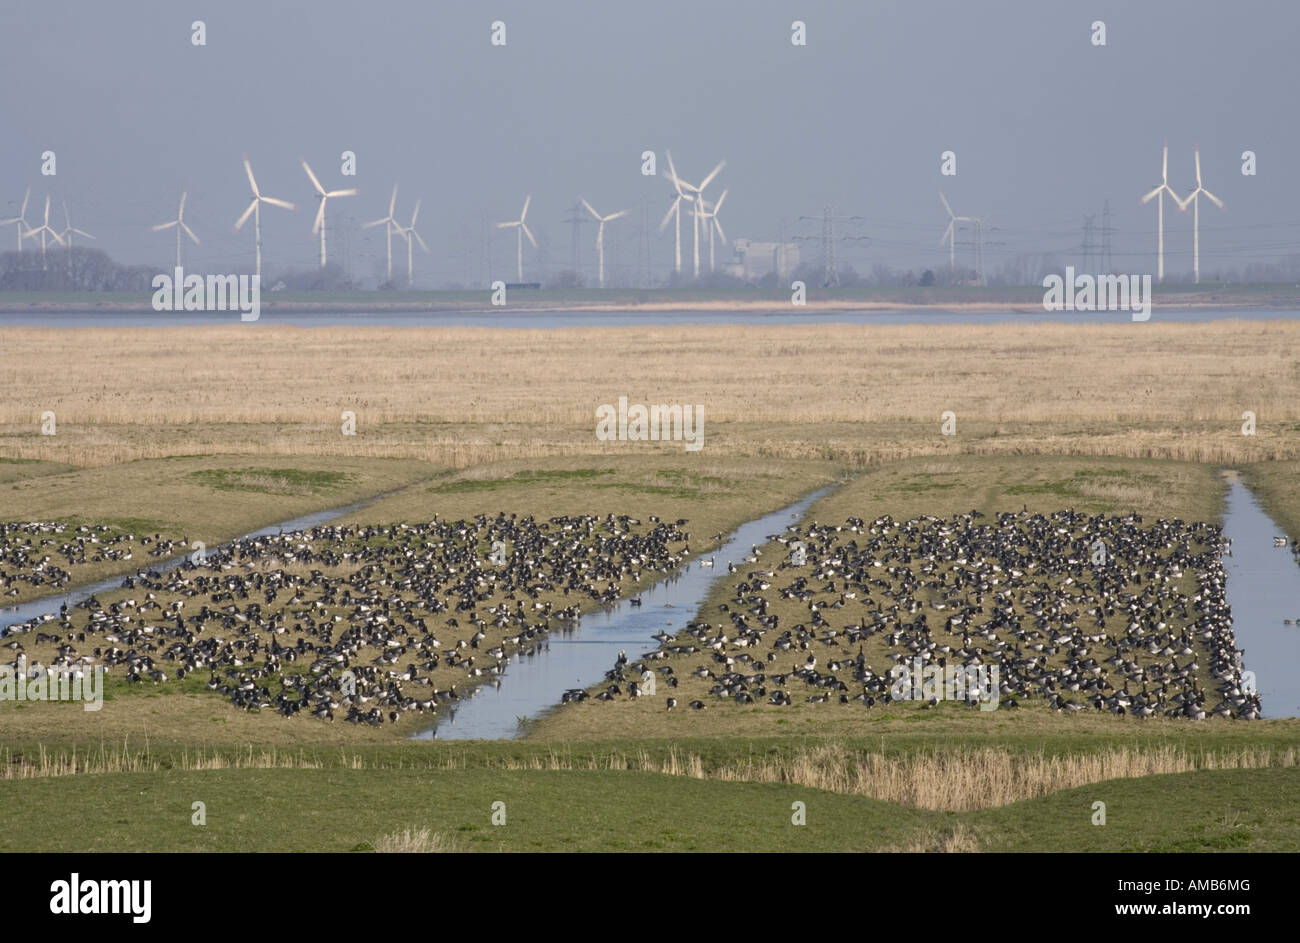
<point>1160,191</point>
<point>20,219</point>
<point>950,234</point>
<point>676,211</point>
<point>600,238</point>
<point>407,233</point>
<point>522,228</point>
<point>710,217</point>
<point>44,229</point>
<point>69,229</point>
<point>179,223</point>
<point>255,210</point>
<point>697,193</point>
<point>324,198</point>
<point>1194,200</point>
<point>390,224</point>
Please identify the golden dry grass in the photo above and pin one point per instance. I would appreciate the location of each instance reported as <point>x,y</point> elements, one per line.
<point>461,396</point>
<point>941,779</point>
<point>944,780</point>
<point>957,839</point>
<point>415,841</point>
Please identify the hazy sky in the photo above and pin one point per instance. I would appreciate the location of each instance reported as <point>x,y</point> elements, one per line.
<point>1044,124</point>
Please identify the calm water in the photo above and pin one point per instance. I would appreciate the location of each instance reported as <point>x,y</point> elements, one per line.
<point>554,319</point>
<point>1264,589</point>
<point>534,683</point>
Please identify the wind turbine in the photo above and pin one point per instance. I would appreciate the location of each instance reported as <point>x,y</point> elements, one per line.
<point>698,191</point>
<point>675,210</point>
<point>69,229</point>
<point>950,234</point>
<point>324,197</point>
<point>1194,199</point>
<point>1160,191</point>
<point>522,228</point>
<point>390,225</point>
<point>179,223</point>
<point>407,233</point>
<point>20,219</point>
<point>44,229</point>
<point>600,238</point>
<point>711,216</point>
<point>255,210</point>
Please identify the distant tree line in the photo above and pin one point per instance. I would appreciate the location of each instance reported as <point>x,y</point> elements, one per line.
<point>75,269</point>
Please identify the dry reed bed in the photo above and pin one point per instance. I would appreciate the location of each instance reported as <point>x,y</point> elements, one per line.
<point>266,374</point>
<point>464,396</point>
<point>956,780</point>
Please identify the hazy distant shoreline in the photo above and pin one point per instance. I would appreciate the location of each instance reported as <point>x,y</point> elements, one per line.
<point>1015,301</point>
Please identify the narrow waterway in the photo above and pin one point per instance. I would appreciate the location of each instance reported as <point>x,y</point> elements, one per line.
<point>1264,593</point>
<point>534,682</point>
<point>47,605</point>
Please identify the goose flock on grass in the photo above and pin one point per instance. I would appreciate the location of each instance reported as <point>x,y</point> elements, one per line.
<point>1086,613</point>
<point>362,624</point>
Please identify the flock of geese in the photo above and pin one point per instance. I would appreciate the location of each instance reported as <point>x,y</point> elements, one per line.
<point>367,623</point>
<point>1087,612</point>
<point>42,555</point>
<point>359,623</point>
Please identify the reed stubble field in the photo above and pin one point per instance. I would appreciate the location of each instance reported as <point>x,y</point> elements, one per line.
<point>844,393</point>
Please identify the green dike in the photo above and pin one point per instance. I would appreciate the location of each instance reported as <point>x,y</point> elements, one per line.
<point>345,810</point>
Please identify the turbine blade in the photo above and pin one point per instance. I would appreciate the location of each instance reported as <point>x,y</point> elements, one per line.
<point>181,213</point>
<point>1198,167</point>
<point>247,213</point>
<point>1213,199</point>
<point>669,214</point>
<point>507,225</point>
<point>1150,196</point>
<point>709,179</point>
<point>419,240</point>
<point>721,235</point>
<point>528,234</point>
<point>1164,165</point>
<point>947,233</point>
<point>26,195</point>
<point>717,206</point>
<point>524,215</point>
<point>945,204</point>
<point>283,204</point>
<point>352,192</point>
<point>374,222</point>
<point>80,232</point>
<point>159,228</point>
<point>614,216</point>
<point>248,169</point>
<point>189,232</point>
<point>589,209</point>
<point>672,173</point>
<point>314,182</point>
<point>415,214</point>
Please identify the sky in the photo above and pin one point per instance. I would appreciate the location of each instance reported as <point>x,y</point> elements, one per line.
<point>1045,125</point>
